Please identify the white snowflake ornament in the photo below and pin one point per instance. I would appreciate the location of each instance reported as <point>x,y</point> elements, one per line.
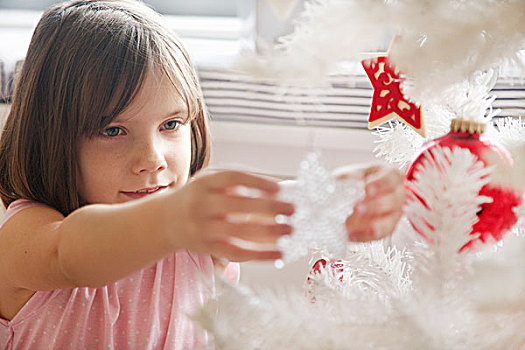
<point>322,205</point>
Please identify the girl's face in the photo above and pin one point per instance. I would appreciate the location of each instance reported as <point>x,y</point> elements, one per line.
<point>145,150</point>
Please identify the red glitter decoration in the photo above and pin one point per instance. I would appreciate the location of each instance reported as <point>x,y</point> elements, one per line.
<point>388,101</point>
<point>495,218</point>
<point>336,266</point>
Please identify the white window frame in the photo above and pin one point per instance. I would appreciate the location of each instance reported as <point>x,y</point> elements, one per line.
<point>228,28</point>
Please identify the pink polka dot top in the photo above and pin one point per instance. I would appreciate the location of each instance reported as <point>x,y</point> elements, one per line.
<point>148,310</point>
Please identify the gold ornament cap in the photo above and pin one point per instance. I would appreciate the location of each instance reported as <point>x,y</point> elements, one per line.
<point>470,126</point>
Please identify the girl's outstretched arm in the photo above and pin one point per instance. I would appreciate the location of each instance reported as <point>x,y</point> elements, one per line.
<point>99,244</point>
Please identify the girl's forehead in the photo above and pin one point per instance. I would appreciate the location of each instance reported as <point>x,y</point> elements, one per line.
<point>157,93</point>
<point>155,81</point>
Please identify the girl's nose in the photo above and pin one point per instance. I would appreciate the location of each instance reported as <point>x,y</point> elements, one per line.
<point>149,157</point>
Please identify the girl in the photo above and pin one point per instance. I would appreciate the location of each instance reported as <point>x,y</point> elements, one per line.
<point>105,243</point>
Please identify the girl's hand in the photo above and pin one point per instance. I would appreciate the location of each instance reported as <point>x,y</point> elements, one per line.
<point>378,213</point>
<point>207,212</point>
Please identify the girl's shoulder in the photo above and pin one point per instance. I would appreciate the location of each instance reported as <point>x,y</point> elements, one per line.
<point>21,204</point>
<point>17,206</point>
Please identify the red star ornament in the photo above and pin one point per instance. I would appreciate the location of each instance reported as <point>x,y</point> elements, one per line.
<point>388,101</point>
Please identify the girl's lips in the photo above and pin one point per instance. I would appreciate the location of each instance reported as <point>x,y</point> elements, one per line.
<point>144,192</point>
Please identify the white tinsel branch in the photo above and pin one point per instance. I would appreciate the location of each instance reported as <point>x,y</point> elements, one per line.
<point>447,41</point>
<point>470,100</point>
<point>397,143</point>
<point>448,182</point>
<point>368,270</point>
<point>328,32</point>
<point>441,42</point>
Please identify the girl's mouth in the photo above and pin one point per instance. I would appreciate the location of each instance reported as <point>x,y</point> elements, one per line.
<point>144,192</point>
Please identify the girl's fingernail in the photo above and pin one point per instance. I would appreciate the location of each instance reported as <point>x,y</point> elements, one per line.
<point>285,229</point>
<point>376,231</point>
<point>290,209</point>
<point>360,208</point>
<point>372,190</point>
<point>353,236</point>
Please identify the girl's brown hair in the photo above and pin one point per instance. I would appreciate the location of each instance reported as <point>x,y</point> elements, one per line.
<point>86,61</point>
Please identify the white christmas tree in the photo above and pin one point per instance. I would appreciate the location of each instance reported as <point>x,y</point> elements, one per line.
<point>424,295</point>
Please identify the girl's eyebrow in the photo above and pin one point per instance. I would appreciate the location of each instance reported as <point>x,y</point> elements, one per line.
<point>176,112</point>
<point>183,112</point>
<point>123,119</point>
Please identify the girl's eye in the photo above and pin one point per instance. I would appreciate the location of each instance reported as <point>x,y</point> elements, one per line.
<point>112,131</point>
<point>171,125</point>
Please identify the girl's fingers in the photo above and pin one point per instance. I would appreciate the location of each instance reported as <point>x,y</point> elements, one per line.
<point>254,232</point>
<point>225,179</point>
<point>377,217</point>
<point>379,206</point>
<point>363,235</point>
<point>379,178</point>
<point>382,180</point>
<point>351,172</point>
<point>372,229</point>
<point>220,205</point>
<point>234,253</point>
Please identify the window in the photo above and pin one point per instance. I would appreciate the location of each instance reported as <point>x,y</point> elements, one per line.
<point>172,7</point>
<point>196,7</point>
<point>213,19</point>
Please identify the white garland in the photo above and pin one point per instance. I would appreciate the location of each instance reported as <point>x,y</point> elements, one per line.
<point>441,42</point>
<point>327,33</point>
